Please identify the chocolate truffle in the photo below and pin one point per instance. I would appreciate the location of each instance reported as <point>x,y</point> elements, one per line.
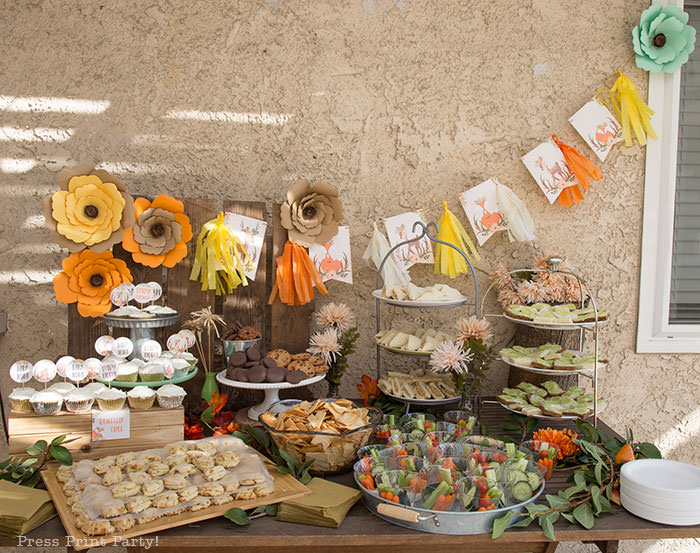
<point>294,377</point>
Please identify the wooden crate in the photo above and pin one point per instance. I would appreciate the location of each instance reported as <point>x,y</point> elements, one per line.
<point>154,427</point>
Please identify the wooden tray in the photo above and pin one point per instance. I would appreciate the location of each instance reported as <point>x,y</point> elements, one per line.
<point>286,487</point>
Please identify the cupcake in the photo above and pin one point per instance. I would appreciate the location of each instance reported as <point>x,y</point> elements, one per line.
<point>19,398</point>
<point>62,387</point>
<point>170,396</point>
<point>127,372</point>
<point>181,366</point>
<point>151,372</point>
<point>46,402</point>
<point>93,388</point>
<point>187,356</point>
<point>141,397</point>
<point>110,399</point>
<point>78,401</point>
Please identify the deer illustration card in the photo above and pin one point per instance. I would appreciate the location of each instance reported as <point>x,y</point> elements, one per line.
<point>333,259</point>
<point>399,228</point>
<point>549,168</point>
<point>480,204</point>
<point>597,126</point>
<point>251,233</point>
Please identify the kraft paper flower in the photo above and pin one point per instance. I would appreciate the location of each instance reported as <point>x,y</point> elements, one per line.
<point>92,209</point>
<point>160,234</point>
<point>663,40</point>
<point>88,278</point>
<point>311,213</point>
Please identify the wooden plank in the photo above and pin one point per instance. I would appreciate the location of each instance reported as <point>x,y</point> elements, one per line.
<point>186,295</point>
<point>31,423</point>
<point>290,326</point>
<point>285,488</point>
<point>248,304</point>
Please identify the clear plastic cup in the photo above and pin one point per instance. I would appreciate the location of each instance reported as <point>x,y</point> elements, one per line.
<point>418,432</point>
<point>545,454</point>
<point>399,486</point>
<point>478,493</point>
<point>438,493</point>
<point>420,423</point>
<point>409,463</point>
<point>367,450</point>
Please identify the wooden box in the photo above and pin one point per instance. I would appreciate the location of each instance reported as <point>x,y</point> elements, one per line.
<point>154,427</point>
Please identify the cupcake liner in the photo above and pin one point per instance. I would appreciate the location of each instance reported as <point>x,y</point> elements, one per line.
<point>111,404</point>
<point>141,402</point>
<point>22,404</point>
<point>152,377</point>
<point>170,402</point>
<point>45,408</point>
<point>78,405</point>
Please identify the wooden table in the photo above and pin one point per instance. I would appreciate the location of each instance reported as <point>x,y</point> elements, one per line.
<point>362,531</point>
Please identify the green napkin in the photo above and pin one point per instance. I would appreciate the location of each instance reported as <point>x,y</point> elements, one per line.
<point>327,505</point>
<point>22,509</point>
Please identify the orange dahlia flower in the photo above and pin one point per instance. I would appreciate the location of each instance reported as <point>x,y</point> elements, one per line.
<point>160,233</point>
<point>88,278</point>
<point>92,209</point>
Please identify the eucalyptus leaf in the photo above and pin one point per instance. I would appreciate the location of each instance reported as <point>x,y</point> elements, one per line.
<point>547,528</point>
<point>530,426</point>
<point>534,508</point>
<point>271,510</point>
<point>237,516</point>
<point>58,439</point>
<point>605,506</point>
<point>569,517</point>
<point>579,478</point>
<point>584,515</point>
<point>595,499</point>
<point>29,462</point>
<point>500,524</point>
<point>287,459</point>
<point>35,449</point>
<point>556,502</point>
<point>598,470</point>
<point>522,523</point>
<point>649,450</point>
<point>61,454</point>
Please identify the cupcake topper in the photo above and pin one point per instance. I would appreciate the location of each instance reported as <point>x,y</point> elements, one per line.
<point>150,350</point>
<point>122,294</point>
<point>108,371</point>
<point>62,366</point>
<point>156,290</point>
<point>93,367</point>
<point>177,344</point>
<point>44,371</point>
<point>143,293</point>
<point>79,369</point>
<point>189,337</point>
<point>103,345</point>
<point>122,347</point>
<point>21,372</point>
<point>168,369</point>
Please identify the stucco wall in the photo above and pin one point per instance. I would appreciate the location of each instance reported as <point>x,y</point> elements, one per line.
<point>399,103</point>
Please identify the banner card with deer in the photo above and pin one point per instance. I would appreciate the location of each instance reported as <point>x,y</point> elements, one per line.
<point>597,126</point>
<point>549,168</point>
<point>480,204</point>
<point>400,228</point>
<point>251,233</point>
<point>333,259</point>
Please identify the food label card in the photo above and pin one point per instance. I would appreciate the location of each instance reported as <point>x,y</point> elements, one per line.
<point>598,127</point>
<point>110,425</point>
<point>548,167</point>
<point>251,233</point>
<point>400,228</point>
<point>333,259</point>
<point>480,204</point>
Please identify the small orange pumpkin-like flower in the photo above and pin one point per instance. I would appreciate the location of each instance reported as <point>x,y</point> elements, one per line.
<point>91,210</point>
<point>160,233</point>
<point>88,278</point>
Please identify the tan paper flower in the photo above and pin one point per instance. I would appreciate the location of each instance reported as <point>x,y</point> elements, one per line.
<point>92,209</point>
<point>311,213</point>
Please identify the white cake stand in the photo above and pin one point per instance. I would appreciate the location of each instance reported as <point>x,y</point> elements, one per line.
<point>271,390</point>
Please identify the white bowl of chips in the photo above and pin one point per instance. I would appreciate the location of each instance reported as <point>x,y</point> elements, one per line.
<point>328,431</point>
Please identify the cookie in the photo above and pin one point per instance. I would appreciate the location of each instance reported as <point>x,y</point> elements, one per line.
<point>199,504</point>
<point>138,504</point>
<point>281,356</point>
<point>257,374</point>
<point>123,458</point>
<point>176,459</point>
<point>245,494</point>
<point>269,362</point>
<point>183,469</point>
<point>215,473</point>
<point>158,469</point>
<point>95,527</point>
<point>294,377</point>
<point>237,359</point>
<point>253,354</point>
<point>176,448</point>
<point>262,491</point>
<point>232,485</point>
<point>207,447</point>
<point>304,366</point>
<point>125,489</point>
<point>122,524</point>
<point>227,459</point>
<point>112,476</point>
<point>137,465</point>
<point>204,462</point>
<point>188,494</point>
<point>167,499</point>
<point>211,490</point>
<point>113,508</point>
<point>248,333</point>
<point>140,477</point>
<point>221,499</point>
<point>304,356</point>
<point>149,515</point>
<point>152,487</point>
<point>194,454</point>
<point>175,482</point>
<point>103,465</point>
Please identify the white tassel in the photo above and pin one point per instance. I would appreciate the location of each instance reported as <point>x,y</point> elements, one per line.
<point>521,227</point>
<point>393,273</point>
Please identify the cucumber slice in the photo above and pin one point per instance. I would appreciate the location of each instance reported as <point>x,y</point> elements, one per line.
<point>516,475</point>
<point>534,480</point>
<point>521,491</point>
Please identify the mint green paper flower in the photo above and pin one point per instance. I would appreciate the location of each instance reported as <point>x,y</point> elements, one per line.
<point>663,40</point>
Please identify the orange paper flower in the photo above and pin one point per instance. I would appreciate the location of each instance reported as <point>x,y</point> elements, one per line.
<point>92,209</point>
<point>88,278</point>
<point>160,233</point>
<point>561,438</point>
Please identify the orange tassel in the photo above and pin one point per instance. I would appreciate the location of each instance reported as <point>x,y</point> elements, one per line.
<point>295,277</point>
<point>583,170</point>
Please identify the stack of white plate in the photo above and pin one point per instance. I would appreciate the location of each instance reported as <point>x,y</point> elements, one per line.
<point>662,491</point>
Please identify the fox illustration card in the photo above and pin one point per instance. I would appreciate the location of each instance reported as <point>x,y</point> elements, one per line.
<point>480,204</point>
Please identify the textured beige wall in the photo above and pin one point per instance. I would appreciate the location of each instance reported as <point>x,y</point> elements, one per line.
<point>399,103</point>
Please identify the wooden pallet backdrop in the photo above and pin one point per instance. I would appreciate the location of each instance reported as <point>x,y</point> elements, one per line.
<point>281,325</point>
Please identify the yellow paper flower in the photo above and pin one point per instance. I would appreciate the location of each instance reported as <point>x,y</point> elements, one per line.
<point>92,209</point>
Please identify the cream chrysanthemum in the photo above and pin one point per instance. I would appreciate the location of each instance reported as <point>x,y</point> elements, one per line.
<point>531,292</point>
<point>473,327</point>
<point>335,315</point>
<point>509,297</point>
<point>573,291</point>
<point>540,262</point>
<point>325,344</point>
<point>450,357</point>
<point>501,277</point>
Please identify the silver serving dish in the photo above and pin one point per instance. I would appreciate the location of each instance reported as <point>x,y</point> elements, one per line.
<point>157,321</point>
<point>439,522</point>
<point>232,346</point>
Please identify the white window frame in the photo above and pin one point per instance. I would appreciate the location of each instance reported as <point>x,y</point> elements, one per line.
<point>654,333</point>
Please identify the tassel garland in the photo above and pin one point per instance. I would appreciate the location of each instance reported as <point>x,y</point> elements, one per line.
<point>583,170</point>
<point>632,111</point>
<point>295,277</point>
<point>448,261</point>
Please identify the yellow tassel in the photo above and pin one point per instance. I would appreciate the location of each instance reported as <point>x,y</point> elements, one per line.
<point>632,111</point>
<point>448,261</point>
<point>218,260</point>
